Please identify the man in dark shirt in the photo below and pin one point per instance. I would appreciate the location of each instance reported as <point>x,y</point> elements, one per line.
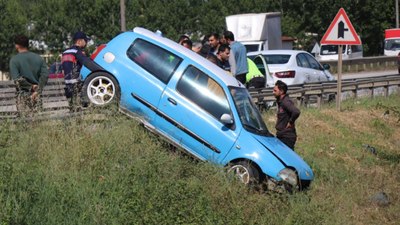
<point>287,115</point>
<point>72,61</point>
<point>29,71</point>
<point>223,57</point>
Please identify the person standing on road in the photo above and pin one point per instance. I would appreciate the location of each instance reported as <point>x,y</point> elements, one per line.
<point>237,57</point>
<point>29,71</point>
<point>286,116</point>
<point>72,60</point>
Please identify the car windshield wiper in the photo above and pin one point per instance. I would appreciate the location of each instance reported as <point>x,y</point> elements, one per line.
<point>251,127</point>
<point>261,131</point>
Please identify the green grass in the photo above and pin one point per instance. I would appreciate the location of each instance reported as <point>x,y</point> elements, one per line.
<point>113,171</point>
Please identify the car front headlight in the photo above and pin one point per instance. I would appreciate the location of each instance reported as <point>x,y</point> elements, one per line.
<point>288,176</point>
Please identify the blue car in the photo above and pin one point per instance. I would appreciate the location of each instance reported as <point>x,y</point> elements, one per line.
<point>195,105</point>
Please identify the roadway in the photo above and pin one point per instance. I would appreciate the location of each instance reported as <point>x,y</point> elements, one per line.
<point>367,74</point>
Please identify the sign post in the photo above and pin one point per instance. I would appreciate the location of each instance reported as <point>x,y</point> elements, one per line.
<point>340,32</point>
<point>339,79</point>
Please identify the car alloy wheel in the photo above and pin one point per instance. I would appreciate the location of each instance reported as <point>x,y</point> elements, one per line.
<point>101,89</point>
<point>245,172</point>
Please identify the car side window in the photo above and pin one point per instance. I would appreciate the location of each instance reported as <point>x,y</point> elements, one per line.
<point>204,92</point>
<point>313,62</point>
<point>157,61</point>
<point>260,65</point>
<point>302,61</point>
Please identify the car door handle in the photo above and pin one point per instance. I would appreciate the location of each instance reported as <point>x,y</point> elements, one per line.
<point>172,101</point>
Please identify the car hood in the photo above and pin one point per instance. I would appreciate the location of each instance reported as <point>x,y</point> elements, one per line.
<point>287,156</point>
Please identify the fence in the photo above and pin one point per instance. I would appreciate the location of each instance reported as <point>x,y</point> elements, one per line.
<point>53,99</point>
<point>319,93</point>
<point>56,104</point>
<point>364,64</point>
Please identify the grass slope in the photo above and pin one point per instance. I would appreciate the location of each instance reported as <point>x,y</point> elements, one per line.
<point>112,171</point>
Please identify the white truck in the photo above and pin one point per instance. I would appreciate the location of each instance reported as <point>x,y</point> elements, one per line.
<point>330,52</point>
<point>257,31</point>
<point>392,42</point>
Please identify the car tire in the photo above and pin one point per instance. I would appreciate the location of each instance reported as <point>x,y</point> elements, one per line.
<point>101,89</point>
<point>246,172</point>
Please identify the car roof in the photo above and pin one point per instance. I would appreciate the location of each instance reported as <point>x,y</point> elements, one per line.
<point>203,62</point>
<point>275,52</point>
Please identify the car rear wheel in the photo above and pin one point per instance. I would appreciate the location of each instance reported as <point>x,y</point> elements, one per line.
<point>101,89</point>
<point>246,172</point>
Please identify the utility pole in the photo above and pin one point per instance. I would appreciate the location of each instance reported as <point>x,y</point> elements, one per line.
<point>397,13</point>
<point>123,21</point>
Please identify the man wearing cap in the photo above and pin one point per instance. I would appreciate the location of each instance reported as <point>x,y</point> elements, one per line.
<point>72,60</point>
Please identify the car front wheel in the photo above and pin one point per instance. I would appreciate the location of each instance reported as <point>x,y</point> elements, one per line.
<point>246,172</point>
<point>101,89</point>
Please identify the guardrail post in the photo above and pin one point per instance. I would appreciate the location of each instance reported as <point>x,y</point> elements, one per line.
<point>354,93</point>
<point>319,101</point>
<point>386,90</point>
<point>299,101</point>
<point>305,100</point>
<point>371,92</point>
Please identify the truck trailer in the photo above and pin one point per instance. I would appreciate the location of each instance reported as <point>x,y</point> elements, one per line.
<point>257,31</point>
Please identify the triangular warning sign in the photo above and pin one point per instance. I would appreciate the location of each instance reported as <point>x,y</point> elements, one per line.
<point>341,31</point>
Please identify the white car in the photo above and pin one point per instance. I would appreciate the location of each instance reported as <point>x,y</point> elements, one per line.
<point>291,66</point>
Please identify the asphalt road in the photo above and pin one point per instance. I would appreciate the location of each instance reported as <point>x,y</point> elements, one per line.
<point>368,74</point>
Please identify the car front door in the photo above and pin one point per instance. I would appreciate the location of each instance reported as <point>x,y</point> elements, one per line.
<point>190,111</point>
<point>264,69</point>
<point>153,68</point>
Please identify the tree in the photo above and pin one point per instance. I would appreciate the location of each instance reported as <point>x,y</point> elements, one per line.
<point>13,21</point>
<point>54,22</point>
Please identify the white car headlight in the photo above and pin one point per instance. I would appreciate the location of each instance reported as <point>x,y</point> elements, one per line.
<point>288,176</point>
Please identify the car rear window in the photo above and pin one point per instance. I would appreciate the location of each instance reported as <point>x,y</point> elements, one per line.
<point>156,60</point>
<point>277,59</point>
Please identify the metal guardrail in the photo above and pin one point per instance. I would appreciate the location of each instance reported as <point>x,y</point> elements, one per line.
<point>54,102</point>
<point>323,92</point>
<point>364,64</point>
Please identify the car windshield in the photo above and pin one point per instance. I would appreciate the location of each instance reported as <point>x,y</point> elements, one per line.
<point>249,115</point>
<point>277,59</point>
<point>392,44</point>
<point>330,49</point>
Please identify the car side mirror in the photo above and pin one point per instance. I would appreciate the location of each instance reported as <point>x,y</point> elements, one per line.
<point>326,66</point>
<point>226,119</point>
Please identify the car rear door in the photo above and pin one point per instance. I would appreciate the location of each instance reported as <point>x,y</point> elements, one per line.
<point>304,68</point>
<point>191,107</point>
<point>318,71</point>
<point>152,69</point>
